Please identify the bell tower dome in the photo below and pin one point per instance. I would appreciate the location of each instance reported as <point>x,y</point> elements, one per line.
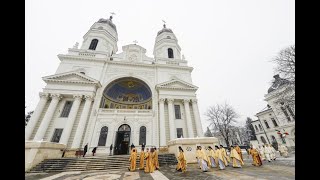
<point>166,45</point>
<point>101,37</point>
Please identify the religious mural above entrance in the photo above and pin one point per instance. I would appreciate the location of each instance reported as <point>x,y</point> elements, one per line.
<point>127,93</point>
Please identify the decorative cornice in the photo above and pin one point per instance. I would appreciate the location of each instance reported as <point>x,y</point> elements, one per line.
<point>102,60</point>
<point>54,78</point>
<point>164,85</point>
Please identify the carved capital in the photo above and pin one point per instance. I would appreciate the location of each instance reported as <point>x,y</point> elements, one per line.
<point>186,101</point>
<point>194,101</point>
<point>56,96</point>
<point>88,98</point>
<point>77,96</point>
<point>161,100</point>
<point>43,95</point>
<point>170,100</point>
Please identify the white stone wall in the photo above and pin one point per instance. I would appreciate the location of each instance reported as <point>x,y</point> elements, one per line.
<point>132,62</point>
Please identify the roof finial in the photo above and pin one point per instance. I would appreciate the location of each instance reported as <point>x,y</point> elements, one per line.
<point>135,41</point>
<point>112,13</point>
<point>164,24</point>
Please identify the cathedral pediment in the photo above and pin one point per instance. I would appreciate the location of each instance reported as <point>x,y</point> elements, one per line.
<point>176,84</point>
<point>71,77</point>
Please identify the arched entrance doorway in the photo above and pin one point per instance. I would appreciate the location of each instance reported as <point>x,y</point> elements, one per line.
<point>122,140</point>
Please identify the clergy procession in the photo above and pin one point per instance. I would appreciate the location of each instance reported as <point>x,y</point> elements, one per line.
<point>212,158</point>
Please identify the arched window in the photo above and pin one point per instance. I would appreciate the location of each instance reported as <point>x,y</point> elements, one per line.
<point>266,123</point>
<point>103,136</point>
<point>274,142</point>
<point>256,128</point>
<point>170,53</point>
<point>143,132</point>
<point>260,127</point>
<point>263,140</point>
<point>93,44</point>
<point>274,122</point>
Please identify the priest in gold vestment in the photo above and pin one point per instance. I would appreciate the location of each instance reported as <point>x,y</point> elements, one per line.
<point>219,156</point>
<point>133,159</point>
<point>147,157</point>
<point>255,156</point>
<point>236,159</point>
<point>182,161</point>
<point>238,149</point>
<point>141,159</point>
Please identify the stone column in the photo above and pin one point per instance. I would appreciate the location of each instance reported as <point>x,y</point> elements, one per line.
<point>162,127</point>
<point>172,127</point>
<point>72,117</point>
<point>188,115</point>
<point>82,122</point>
<point>36,115</point>
<point>197,117</point>
<point>47,117</point>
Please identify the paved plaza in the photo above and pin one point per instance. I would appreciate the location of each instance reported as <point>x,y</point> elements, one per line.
<point>281,169</point>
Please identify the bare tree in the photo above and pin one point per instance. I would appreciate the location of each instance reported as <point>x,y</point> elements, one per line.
<point>285,62</point>
<point>222,117</point>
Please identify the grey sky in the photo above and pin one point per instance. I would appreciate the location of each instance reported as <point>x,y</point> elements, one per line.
<point>229,43</point>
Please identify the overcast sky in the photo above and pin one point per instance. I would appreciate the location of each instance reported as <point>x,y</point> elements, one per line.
<point>229,43</point>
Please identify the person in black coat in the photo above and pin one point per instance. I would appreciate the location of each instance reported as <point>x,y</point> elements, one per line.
<point>85,149</point>
<point>94,151</point>
<point>110,149</point>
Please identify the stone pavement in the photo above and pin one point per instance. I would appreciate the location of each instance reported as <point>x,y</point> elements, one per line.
<point>281,169</point>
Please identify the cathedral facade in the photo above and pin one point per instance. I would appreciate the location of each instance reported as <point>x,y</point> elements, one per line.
<point>101,97</point>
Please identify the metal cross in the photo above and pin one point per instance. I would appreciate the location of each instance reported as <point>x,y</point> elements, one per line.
<point>135,41</point>
<point>112,13</point>
<point>163,21</point>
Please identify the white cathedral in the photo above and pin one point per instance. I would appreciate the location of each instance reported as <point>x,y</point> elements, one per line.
<point>101,97</point>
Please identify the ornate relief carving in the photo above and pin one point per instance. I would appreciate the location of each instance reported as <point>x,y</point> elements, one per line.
<point>170,100</point>
<point>186,101</point>
<point>43,95</point>
<point>133,57</point>
<point>77,96</point>
<point>56,96</point>
<point>88,98</point>
<point>161,100</point>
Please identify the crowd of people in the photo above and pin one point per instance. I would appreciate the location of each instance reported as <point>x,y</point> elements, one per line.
<point>216,157</point>
<point>150,156</point>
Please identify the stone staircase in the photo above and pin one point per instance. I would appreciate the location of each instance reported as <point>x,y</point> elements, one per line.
<point>117,162</point>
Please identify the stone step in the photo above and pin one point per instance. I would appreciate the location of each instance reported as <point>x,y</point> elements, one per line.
<point>94,163</point>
